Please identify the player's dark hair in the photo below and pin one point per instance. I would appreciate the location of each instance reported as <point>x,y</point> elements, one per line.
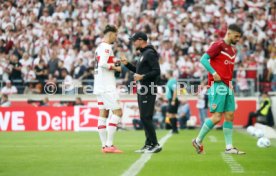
<point>236,28</point>
<point>109,28</point>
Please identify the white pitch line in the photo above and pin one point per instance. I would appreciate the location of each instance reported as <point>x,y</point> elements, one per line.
<point>212,139</point>
<point>136,167</point>
<point>234,165</point>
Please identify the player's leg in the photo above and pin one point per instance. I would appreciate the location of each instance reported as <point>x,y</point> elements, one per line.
<point>229,117</point>
<point>228,124</point>
<point>112,102</point>
<point>168,116</point>
<point>112,125</point>
<point>102,122</point>
<point>228,131</point>
<point>173,116</point>
<point>173,121</point>
<point>208,125</point>
<point>216,103</point>
<point>102,126</point>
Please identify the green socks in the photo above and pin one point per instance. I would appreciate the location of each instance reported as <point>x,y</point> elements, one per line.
<point>227,131</point>
<point>206,127</point>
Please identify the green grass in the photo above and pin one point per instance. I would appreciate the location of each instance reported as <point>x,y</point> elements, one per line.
<point>71,153</point>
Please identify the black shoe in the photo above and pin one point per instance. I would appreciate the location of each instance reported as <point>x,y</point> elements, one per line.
<point>154,149</point>
<point>175,132</point>
<point>143,149</point>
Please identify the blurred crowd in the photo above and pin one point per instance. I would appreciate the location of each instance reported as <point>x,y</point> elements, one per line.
<point>40,39</point>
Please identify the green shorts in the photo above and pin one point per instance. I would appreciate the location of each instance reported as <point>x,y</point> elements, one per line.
<point>221,98</point>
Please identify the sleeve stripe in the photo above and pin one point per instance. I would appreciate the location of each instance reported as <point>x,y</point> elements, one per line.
<point>110,60</point>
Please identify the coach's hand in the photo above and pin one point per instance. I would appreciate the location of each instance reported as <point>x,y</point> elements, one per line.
<point>123,58</point>
<point>138,77</point>
<point>216,77</point>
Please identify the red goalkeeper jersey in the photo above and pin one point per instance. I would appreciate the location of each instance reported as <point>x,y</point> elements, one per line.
<point>222,60</point>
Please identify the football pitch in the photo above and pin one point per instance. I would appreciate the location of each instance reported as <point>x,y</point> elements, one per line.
<point>77,154</point>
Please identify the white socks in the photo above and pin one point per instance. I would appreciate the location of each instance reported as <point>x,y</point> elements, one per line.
<point>198,141</point>
<point>229,146</point>
<point>102,130</point>
<point>111,129</point>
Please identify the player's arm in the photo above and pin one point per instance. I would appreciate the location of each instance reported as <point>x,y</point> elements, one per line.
<point>174,94</point>
<point>205,62</point>
<point>212,52</point>
<point>105,61</point>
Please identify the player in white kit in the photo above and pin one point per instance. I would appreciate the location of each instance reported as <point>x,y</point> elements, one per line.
<point>105,90</point>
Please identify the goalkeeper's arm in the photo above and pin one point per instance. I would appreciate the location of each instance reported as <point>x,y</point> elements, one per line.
<point>205,62</point>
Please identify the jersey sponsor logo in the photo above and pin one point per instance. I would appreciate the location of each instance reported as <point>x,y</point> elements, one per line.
<point>106,50</point>
<point>226,62</point>
<point>226,54</point>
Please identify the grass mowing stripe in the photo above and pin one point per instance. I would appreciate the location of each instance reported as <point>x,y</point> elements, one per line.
<point>234,165</point>
<point>136,167</point>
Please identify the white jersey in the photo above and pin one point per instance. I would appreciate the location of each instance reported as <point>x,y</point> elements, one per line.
<point>104,77</point>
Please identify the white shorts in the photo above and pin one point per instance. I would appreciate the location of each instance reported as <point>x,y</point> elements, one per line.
<point>108,100</point>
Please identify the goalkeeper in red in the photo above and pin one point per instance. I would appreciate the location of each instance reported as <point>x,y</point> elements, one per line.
<point>219,61</point>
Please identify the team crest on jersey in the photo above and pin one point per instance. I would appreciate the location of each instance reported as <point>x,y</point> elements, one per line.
<point>107,51</point>
<point>214,106</point>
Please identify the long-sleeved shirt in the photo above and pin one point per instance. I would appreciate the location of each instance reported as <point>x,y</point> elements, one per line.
<point>148,66</point>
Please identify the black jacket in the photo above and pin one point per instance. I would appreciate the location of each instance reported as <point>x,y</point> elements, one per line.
<point>147,65</point>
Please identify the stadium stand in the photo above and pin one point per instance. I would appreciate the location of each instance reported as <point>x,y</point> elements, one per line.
<point>38,38</point>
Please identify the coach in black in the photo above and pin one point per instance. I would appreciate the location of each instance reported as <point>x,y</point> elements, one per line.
<point>147,72</point>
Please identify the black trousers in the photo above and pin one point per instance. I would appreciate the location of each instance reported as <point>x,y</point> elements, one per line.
<point>251,116</point>
<point>146,107</point>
